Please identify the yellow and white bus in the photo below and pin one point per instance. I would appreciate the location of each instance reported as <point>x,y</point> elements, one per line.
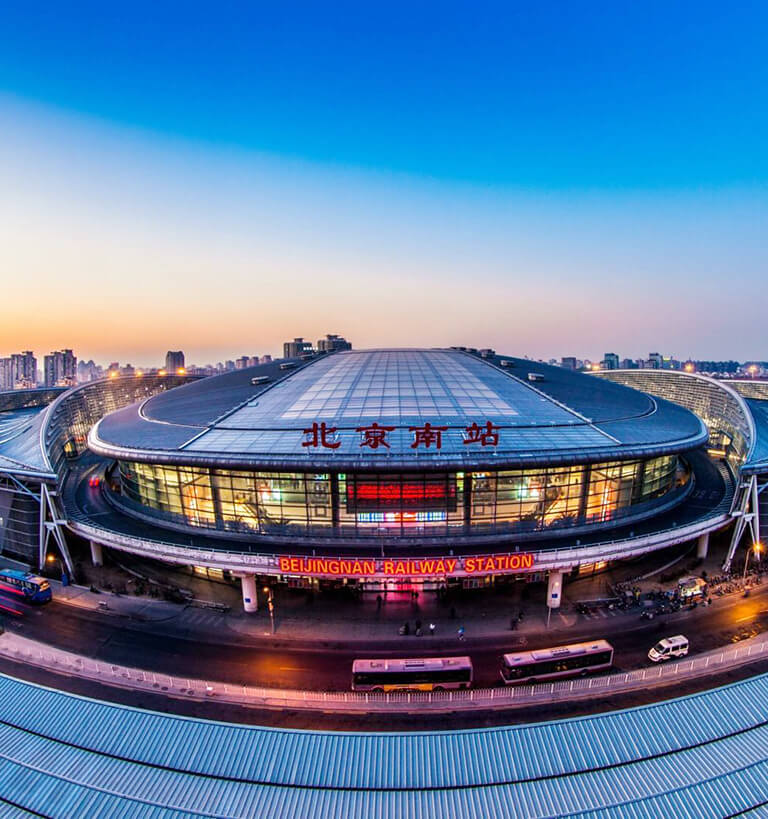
<point>418,674</point>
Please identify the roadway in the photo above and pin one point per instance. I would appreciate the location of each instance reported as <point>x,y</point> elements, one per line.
<point>220,653</point>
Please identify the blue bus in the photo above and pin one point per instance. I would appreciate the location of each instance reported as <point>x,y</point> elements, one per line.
<point>28,586</point>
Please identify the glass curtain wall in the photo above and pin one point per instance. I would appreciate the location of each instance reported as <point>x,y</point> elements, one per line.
<point>370,505</point>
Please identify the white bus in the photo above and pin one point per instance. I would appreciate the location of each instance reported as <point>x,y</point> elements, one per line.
<point>561,661</point>
<point>420,674</point>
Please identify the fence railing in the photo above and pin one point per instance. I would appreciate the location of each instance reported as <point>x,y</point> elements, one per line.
<point>21,649</point>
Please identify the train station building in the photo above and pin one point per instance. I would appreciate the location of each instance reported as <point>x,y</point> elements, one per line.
<point>389,468</point>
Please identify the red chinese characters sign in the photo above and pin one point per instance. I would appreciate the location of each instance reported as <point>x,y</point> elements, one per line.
<point>406,567</point>
<point>375,436</point>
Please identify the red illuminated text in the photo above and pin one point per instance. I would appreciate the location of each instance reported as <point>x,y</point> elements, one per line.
<point>374,436</point>
<point>427,435</point>
<point>320,435</point>
<point>485,436</point>
<point>405,567</point>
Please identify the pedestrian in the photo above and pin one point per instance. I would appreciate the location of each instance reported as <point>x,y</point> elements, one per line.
<point>379,601</point>
<point>431,629</point>
<point>512,623</point>
<point>418,625</point>
<point>460,633</point>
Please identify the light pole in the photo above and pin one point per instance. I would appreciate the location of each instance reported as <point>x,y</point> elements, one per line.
<point>270,606</point>
<point>757,548</point>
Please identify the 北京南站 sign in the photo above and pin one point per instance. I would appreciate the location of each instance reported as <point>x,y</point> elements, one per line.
<point>405,567</point>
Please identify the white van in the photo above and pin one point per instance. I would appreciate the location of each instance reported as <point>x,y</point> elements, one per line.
<point>668,648</point>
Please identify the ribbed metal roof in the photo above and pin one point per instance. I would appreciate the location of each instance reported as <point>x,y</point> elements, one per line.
<point>63,755</point>
<point>21,451</point>
<point>759,410</point>
<point>487,411</point>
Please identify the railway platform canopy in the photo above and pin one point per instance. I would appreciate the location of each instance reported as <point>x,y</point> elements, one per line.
<point>65,755</point>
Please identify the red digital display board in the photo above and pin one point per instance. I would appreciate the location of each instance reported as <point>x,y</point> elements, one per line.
<point>406,493</point>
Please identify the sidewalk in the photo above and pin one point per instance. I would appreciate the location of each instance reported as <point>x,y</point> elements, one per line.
<point>326,619</point>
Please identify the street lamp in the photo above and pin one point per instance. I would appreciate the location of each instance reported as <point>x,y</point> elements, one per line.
<point>757,548</point>
<point>270,606</point>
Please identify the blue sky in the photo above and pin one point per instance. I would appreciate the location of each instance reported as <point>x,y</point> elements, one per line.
<point>593,174</point>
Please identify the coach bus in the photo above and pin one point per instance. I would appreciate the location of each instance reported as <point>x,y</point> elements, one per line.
<point>420,674</point>
<point>561,661</point>
<point>32,588</point>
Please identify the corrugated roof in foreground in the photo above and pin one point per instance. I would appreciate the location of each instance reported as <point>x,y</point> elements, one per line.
<point>703,755</point>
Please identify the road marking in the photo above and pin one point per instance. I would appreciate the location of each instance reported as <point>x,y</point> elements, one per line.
<point>291,668</point>
<point>748,617</point>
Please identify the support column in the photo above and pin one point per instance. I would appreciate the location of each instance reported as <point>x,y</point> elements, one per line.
<point>702,547</point>
<point>97,554</point>
<point>250,598</point>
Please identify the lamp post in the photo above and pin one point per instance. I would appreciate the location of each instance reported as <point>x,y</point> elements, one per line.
<point>270,606</point>
<point>757,548</point>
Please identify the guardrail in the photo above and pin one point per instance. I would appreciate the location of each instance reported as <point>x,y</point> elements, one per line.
<point>21,649</point>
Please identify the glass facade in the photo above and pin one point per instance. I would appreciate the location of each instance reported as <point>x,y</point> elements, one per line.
<point>725,418</point>
<point>392,505</point>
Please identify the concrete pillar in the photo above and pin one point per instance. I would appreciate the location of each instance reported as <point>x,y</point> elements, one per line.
<point>97,554</point>
<point>702,547</point>
<point>250,598</point>
<point>555,590</point>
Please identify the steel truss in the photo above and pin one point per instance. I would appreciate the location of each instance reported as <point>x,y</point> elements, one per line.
<point>746,513</point>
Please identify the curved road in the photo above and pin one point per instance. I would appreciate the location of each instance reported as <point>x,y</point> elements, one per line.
<point>224,655</point>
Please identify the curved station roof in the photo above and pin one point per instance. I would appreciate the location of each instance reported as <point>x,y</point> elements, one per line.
<point>397,409</point>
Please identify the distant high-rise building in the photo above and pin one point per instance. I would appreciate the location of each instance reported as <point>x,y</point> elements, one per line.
<point>6,379</point>
<point>610,361</point>
<point>88,371</point>
<point>628,364</point>
<point>265,359</point>
<point>229,365</point>
<point>24,370</point>
<point>296,348</point>
<point>332,343</point>
<point>655,361</point>
<point>242,362</point>
<point>568,362</point>
<point>174,361</point>
<point>60,369</point>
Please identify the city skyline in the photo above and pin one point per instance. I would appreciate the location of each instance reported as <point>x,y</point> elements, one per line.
<point>533,182</point>
<point>160,361</point>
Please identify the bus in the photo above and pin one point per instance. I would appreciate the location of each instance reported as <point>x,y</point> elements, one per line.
<point>32,588</point>
<point>561,661</point>
<point>419,674</point>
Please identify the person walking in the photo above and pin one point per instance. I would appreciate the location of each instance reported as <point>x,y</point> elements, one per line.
<point>460,633</point>
<point>431,629</point>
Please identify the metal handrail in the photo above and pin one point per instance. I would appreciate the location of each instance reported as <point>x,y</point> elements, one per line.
<point>23,649</point>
